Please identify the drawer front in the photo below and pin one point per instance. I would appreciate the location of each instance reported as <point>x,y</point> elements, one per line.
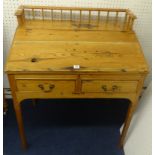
<point>46,86</point>
<point>100,86</point>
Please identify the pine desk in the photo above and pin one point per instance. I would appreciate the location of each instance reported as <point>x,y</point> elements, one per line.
<point>63,52</point>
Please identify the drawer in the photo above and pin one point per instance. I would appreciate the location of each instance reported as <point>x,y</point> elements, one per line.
<point>46,86</point>
<point>100,86</point>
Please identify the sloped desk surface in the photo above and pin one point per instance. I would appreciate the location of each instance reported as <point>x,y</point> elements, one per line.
<point>50,49</point>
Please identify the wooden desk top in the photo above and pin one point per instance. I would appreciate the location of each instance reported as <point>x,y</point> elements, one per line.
<point>59,50</point>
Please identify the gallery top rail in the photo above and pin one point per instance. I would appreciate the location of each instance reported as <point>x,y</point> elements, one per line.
<point>108,14</point>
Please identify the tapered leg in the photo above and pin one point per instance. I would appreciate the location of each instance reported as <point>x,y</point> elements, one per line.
<point>17,107</point>
<point>127,123</point>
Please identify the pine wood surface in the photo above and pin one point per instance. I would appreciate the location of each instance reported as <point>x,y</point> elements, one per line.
<point>56,50</point>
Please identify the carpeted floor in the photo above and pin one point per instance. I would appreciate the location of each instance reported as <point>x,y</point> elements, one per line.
<point>67,127</point>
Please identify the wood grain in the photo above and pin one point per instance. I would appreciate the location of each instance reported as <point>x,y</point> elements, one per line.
<point>91,56</point>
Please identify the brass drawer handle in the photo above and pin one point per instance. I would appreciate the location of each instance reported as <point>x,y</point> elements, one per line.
<point>114,88</point>
<point>46,88</point>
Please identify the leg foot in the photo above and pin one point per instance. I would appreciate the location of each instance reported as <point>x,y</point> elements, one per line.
<point>126,124</point>
<point>17,107</point>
